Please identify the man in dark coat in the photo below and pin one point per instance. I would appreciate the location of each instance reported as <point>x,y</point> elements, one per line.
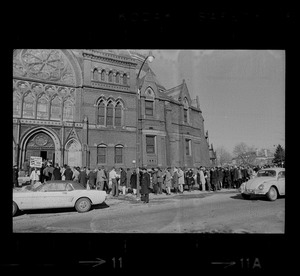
<point>145,185</point>
<point>227,178</point>
<point>56,175</point>
<point>68,173</point>
<point>133,179</point>
<point>82,178</point>
<point>190,179</point>
<point>92,177</point>
<point>123,180</point>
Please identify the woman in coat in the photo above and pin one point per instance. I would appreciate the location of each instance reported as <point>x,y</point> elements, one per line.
<point>145,185</point>
<point>168,181</point>
<point>180,180</point>
<point>175,180</point>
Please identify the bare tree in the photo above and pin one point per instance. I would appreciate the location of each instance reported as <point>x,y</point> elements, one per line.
<point>223,156</point>
<point>244,154</point>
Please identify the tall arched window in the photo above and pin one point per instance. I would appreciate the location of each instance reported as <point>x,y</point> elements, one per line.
<point>125,79</point>
<point>42,108</point>
<point>110,76</point>
<point>28,106</point>
<point>16,105</point>
<point>109,114</point>
<point>103,75</point>
<point>118,154</point>
<point>101,154</point>
<point>149,102</point>
<point>55,111</point>
<point>186,111</point>
<point>68,111</point>
<point>101,113</point>
<point>118,114</point>
<point>95,74</point>
<point>117,77</point>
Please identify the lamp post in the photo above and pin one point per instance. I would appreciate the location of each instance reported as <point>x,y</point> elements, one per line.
<point>139,149</point>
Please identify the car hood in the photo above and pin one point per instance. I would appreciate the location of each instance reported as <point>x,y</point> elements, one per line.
<point>255,182</point>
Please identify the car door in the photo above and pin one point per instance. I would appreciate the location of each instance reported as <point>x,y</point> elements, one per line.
<point>30,200</point>
<point>57,196</point>
<point>281,182</point>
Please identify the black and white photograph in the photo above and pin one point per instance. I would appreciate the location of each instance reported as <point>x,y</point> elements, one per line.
<point>152,141</point>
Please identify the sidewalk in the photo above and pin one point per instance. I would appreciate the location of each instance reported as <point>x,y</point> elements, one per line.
<point>130,197</point>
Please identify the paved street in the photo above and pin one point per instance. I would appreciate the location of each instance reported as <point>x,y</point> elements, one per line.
<point>196,212</point>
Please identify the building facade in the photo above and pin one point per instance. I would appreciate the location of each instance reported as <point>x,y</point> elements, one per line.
<point>79,107</point>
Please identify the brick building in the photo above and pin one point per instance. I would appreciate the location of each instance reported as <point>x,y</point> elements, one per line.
<point>79,107</point>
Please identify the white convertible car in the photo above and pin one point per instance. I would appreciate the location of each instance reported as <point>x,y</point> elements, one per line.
<point>56,194</point>
<point>268,182</point>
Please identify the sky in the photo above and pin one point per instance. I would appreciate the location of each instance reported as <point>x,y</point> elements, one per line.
<point>241,92</point>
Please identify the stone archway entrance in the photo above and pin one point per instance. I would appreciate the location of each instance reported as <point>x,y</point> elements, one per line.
<point>42,145</point>
<point>40,142</point>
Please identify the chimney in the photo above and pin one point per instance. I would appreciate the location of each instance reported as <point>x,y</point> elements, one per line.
<point>266,153</point>
<point>256,152</point>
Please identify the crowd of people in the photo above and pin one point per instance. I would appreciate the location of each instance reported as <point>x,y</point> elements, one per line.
<point>155,180</point>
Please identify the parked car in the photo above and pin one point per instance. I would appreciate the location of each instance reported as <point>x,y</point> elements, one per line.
<point>268,182</point>
<point>56,194</point>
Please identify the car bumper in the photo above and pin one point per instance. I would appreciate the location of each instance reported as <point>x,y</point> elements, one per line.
<point>254,192</point>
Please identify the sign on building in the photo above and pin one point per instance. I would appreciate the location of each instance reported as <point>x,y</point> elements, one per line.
<point>35,161</point>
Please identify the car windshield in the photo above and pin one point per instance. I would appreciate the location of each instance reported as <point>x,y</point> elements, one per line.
<point>34,187</point>
<point>266,173</point>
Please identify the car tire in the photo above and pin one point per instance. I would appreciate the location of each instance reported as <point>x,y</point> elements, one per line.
<point>83,205</point>
<point>272,194</point>
<point>246,196</point>
<point>14,209</point>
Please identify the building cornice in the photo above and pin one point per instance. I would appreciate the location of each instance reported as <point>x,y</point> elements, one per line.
<point>46,122</point>
<point>109,57</point>
<point>109,87</point>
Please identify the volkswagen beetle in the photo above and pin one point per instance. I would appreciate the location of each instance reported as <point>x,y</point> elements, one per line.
<point>268,182</point>
<point>56,194</point>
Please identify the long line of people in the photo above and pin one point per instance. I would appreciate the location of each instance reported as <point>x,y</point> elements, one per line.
<point>155,180</point>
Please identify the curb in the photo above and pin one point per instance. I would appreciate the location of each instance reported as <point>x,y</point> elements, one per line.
<point>130,197</point>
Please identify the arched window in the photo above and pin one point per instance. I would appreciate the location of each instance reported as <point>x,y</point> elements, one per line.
<point>101,113</point>
<point>110,76</point>
<point>16,105</point>
<point>118,114</point>
<point>125,79</point>
<point>117,77</point>
<point>103,75</point>
<point>28,106</point>
<point>118,154</point>
<point>149,102</point>
<point>101,154</point>
<point>55,111</point>
<point>109,114</point>
<point>68,111</point>
<point>42,108</point>
<point>95,74</point>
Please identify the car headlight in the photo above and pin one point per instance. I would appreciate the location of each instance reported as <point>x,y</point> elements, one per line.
<point>261,187</point>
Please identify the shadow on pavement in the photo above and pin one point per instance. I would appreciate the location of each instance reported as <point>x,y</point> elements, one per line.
<point>103,205</point>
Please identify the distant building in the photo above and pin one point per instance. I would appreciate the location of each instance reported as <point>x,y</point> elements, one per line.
<point>78,107</point>
<point>212,156</point>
